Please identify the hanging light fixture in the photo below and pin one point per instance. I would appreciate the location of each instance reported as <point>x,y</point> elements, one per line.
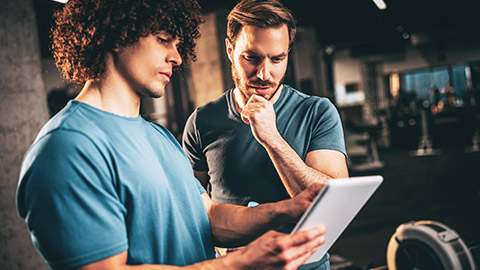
<point>380,4</point>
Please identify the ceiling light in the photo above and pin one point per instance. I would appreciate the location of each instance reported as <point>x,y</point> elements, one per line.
<point>61,1</point>
<point>380,4</point>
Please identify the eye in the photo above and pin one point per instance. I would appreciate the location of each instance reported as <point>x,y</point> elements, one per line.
<point>252,58</point>
<point>162,40</point>
<point>277,60</point>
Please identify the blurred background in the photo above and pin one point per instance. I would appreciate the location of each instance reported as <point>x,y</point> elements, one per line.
<point>405,79</point>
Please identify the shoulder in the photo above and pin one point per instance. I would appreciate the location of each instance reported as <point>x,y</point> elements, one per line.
<point>214,106</point>
<point>61,147</point>
<point>70,126</point>
<point>319,104</point>
<point>58,155</point>
<point>210,112</point>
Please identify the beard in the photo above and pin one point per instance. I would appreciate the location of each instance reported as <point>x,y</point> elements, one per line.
<point>242,84</point>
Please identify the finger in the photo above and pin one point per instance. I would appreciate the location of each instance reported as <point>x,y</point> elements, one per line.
<point>300,260</point>
<point>251,100</point>
<point>315,233</point>
<point>312,191</point>
<point>249,112</point>
<point>258,98</point>
<point>316,187</point>
<point>297,255</point>
<point>245,117</point>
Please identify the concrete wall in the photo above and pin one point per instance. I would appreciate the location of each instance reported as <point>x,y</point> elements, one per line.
<point>23,110</point>
<point>308,63</point>
<point>206,72</point>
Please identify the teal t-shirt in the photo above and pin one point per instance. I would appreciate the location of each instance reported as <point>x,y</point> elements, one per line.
<point>216,140</point>
<point>95,184</point>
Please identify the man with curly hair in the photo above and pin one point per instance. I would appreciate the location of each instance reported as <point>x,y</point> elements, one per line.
<point>101,188</point>
<point>263,141</point>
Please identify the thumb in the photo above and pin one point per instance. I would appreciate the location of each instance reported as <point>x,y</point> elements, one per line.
<point>245,118</point>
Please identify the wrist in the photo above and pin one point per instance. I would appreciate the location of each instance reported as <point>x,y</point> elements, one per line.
<point>274,142</point>
<point>280,213</point>
<point>235,260</point>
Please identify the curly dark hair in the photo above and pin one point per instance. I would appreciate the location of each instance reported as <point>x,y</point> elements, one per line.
<point>260,13</point>
<point>84,30</point>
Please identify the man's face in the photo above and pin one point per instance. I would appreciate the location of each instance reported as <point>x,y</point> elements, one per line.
<point>259,60</point>
<point>147,65</point>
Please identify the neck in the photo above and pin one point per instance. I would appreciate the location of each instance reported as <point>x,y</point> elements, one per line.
<point>111,94</point>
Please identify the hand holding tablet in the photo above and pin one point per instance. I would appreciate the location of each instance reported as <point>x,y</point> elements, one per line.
<point>336,206</point>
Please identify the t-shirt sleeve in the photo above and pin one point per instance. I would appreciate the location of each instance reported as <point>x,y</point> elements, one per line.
<point>192,145</point>
<point>68,198</point>
<point>327,132</point>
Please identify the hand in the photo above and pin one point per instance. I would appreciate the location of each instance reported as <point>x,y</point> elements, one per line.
<point>260,115</point>
<point>275,250</point>
<point>293,208</point>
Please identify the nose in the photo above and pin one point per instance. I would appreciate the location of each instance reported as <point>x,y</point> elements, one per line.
<point>174,56</point>
<point>263,71</point>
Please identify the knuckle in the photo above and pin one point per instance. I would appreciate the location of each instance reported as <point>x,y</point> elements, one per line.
<point>281,244</point>
<point>282,259</point>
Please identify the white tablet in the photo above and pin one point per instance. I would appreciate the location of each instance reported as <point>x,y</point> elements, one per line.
<point>336,206</point>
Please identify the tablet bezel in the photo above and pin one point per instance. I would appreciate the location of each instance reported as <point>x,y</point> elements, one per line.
<point>327,197</point>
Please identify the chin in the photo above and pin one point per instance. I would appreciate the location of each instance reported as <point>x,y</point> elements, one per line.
<point>158,94</point>
<point>155,92</point>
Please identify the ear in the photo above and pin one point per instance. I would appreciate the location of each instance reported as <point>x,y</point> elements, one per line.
<point>229,48</point>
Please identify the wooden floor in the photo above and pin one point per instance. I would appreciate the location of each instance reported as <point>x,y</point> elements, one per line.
<point>444,188</point>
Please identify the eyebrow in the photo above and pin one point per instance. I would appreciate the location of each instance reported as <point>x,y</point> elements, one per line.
<point>171,37</point>
<point>259,54</point>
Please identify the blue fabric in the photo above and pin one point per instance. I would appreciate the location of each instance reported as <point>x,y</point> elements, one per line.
<point>94,184</point>
<point>218,141</point>
<point>322,264</point>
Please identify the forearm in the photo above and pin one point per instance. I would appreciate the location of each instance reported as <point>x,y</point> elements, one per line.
<point>234,225</point>
<point>295,174</point>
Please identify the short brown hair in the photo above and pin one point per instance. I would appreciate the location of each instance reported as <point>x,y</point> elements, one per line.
<point>85,30</point>
<point>260,13</point>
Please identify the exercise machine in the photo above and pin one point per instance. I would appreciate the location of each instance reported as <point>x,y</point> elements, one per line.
<point>431,245</point>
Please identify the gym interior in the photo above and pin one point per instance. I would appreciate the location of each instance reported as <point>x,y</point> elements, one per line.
<point>405,80</point>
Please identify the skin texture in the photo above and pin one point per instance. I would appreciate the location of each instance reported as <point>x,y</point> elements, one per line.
<point>259,61</point>
<point>132,72</point>
<point>143,69</point>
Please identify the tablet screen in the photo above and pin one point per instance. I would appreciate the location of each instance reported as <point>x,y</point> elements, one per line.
<point>336,206</point>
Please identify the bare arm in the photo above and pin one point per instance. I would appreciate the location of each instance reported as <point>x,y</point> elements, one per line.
<point>234,225</point>
<point>296,175</point>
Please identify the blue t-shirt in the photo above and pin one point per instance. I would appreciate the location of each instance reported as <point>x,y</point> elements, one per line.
<point>95,184</point>
<point>216,140</point>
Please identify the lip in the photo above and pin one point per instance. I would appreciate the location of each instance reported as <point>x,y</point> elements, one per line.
<point>262,89</point>
<point>167,75</point>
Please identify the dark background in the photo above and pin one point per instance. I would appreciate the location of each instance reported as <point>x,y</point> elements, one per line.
<point>445,187</point>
